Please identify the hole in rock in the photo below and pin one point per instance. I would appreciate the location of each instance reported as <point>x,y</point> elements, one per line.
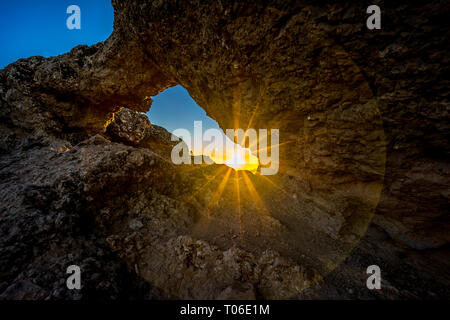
<point>177,112</point>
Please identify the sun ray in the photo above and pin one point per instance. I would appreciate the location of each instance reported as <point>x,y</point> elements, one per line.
<point>274,184</point>
<point>219,171</point>
<point>217,195</point>
<point>250,122</point>
<point>277,145</point>
<point>257,105</point>
<point>257,200</point>
<point>238,197</point>
<point>275,125</point>
<point>252,117</point>
<point>205,218</point>
<point>261,137</point>
<point>257,141</point>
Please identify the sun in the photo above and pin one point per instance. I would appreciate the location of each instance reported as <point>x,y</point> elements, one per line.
<point>237,158</point>
<point>242,159</point>
<point>236,161</point>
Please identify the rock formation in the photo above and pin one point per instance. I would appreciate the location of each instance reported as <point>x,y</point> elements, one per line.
<point>363,119</point>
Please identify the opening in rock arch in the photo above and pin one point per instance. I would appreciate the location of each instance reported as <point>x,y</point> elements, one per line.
<point>174,109</point>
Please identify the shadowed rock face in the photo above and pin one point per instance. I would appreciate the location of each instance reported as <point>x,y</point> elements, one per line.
<point>363,119</point>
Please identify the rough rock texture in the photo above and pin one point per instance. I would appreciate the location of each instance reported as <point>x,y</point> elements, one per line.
<point>128,127</point>
<point>132,128</point>
<point>363,119</point>
<point>46,226</point>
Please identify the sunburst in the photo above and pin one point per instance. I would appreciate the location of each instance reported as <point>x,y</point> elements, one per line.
<point>242,160</point>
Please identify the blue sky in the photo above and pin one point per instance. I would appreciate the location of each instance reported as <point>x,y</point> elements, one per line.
<point>174,108</point>
<point>33,27</point>
<point>30,28</point>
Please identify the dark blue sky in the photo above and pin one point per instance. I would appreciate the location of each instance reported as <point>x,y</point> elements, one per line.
<point>30,28</point>
<point>33,27</point>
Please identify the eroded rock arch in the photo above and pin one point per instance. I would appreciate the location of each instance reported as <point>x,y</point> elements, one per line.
<point>310,71</point>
